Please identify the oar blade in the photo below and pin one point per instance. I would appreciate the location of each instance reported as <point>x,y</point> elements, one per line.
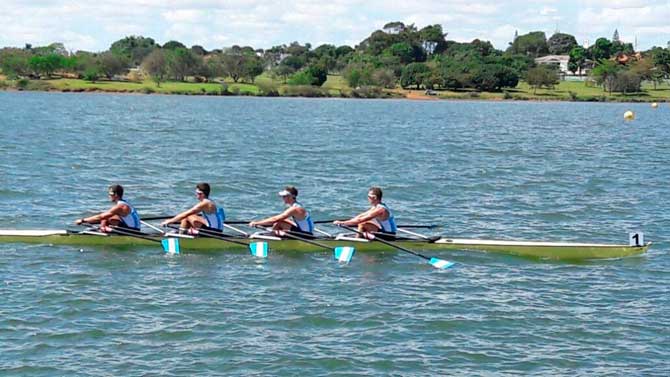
<point>259,249</point>
<point>441,263</point>
<point>171,245</point>
<point>343,254</point>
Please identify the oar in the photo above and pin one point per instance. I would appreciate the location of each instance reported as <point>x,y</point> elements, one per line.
<point>170,245</point>
<point>417,226</point>
<point>435,262</point>
<point>340,253</point>
<point>234,222</point>
<point>257,249</point>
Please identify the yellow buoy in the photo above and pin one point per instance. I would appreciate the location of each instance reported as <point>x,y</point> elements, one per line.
<point>654,105</point>
<point>628,115</point>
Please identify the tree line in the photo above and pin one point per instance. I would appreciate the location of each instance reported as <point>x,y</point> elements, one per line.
<point>398,54</point>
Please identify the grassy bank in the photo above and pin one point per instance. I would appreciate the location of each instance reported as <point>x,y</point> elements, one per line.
<point>565,91</point>
<point>336,86</point>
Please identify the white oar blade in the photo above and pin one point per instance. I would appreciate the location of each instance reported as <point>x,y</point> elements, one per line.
<point>259,249</point>
<point>344,254</point>
<point>171,245</point>
<point>441,263</point>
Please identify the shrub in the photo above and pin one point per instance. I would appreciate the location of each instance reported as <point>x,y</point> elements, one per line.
<point>267,90</point>
<point>573,95</point>
<point>148,90</point>
<point>301,78</point>
<point>507,95</point>
<point>304,91</point>
<point>22,84</point>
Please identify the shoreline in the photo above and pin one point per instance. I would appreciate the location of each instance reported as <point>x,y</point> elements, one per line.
<point>397,94</point>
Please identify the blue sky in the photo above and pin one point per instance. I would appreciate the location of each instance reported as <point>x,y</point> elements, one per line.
<point>93,26</point>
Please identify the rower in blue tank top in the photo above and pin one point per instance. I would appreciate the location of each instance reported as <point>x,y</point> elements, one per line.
<point>204,215</point>
<point>377,219</point>
<point>121,215</point>
<point>295,218</point>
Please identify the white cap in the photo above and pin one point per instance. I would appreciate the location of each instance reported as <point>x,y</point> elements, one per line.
<point>284,193</point>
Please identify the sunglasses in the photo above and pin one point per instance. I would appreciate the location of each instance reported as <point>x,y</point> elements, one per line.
<point>372,196</point>
<point>198,192</point>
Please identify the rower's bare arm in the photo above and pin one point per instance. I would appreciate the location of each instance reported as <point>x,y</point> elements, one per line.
<point>116,210</point>
<point>273,219</point>
<point>196,209</point>
<point>371,214</point>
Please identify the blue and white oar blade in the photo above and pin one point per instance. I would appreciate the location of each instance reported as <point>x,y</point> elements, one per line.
<point>344,254</point>
<point>441,263</point>
<point>171,245</point>
<point>259,249</point>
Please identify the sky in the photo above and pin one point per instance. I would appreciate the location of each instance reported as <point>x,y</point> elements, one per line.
<point>94,25</point>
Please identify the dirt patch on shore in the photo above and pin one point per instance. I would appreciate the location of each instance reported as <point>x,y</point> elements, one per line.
<point>419,95</point>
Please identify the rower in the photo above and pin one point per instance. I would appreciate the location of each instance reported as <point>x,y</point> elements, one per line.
<point>121,215</point>
<point>204,215</point>
<point>378,219</point>
<point>295,218</point>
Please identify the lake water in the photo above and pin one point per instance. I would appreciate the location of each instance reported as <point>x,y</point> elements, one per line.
<point>549,171</point>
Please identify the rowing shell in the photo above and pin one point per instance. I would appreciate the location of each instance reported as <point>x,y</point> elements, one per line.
<point>534,249</point>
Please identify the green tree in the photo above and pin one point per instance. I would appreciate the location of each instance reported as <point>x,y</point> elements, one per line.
<point>533,44</point>
<point>253,67</point>
<point>627,81</point>
<point>384,78</point>
<point>406,52</point>
<point>602,49</point>
<point>181,63</point>
<point>433,36</point>
<point>14,62</point>
<point>91,73</point>
<point>46,65</point>
<point>661,59</point>
<point>296,62</point>
<point>561,44</point>
<point>156,66</point>
<point>198,50</point>
<point>173,45</point>
<point>577,59</point>
<point>133,48</point>
<point>301,78</point>
<point>358,74</point>
<point>319,74</point>
<point>605,74</point>
<point>542,76</point>
<point>283,71</point>
<point>233,63</point>
<point>111,64</point>
<point>414,74</point>
<point>493,77</point>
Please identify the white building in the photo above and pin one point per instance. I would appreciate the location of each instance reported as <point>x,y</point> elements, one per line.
<point>560,60</point>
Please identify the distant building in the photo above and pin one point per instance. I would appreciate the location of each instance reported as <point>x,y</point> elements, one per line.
<point>559,60</point>
<point>394,28</point>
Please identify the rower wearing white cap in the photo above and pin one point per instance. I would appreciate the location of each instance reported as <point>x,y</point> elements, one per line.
<point>295,218</point>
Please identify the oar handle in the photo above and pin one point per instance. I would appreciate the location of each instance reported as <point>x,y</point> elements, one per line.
<point>150,218</point>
